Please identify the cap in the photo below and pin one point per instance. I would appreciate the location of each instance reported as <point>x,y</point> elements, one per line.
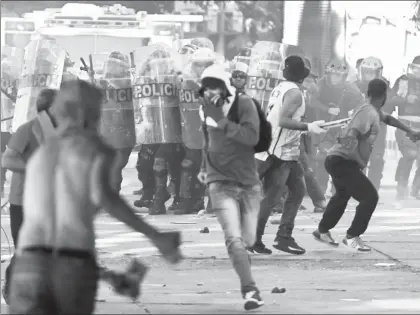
<point>215,76</point>
<point>294,69</point>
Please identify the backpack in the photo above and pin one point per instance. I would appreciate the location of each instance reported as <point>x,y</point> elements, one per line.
<point>265,127</point>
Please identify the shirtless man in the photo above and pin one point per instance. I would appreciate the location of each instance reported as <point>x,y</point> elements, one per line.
<point>67,182</point>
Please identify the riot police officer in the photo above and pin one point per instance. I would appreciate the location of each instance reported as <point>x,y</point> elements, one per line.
<point>334,99</point>
<point>192,191</point>
<point>117,119</point>
<point>407,100</point>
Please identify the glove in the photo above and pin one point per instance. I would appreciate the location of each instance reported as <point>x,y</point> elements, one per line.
<point>334,111</point>
<point>314,127</point>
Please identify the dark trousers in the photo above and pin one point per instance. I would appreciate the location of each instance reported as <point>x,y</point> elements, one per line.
<point>167,162</point>
<point>16,220</point>
<point>350,182</point>
<point>144,166</point>
<point>191,188</point>
<point>121,160</point>
<point>51,285</point>
<point>283,174</point>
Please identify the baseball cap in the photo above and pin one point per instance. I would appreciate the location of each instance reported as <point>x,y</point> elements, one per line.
<point>215,76</point>
<point>294,69</point>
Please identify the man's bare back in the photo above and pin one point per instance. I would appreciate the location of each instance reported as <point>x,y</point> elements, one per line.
<point>61,214</point>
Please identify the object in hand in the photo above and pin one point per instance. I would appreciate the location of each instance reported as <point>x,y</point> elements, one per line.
<point>335,123</point>
<point>126,283</point>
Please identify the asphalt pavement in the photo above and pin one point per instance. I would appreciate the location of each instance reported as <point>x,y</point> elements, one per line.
<point>324,280</point>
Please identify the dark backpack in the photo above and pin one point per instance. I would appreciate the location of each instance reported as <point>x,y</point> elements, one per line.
<point>265,127</point>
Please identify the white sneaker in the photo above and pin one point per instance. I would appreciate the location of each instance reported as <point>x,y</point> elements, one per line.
<point>356,243</point>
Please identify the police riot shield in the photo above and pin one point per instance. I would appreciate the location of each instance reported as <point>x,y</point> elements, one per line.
<point>42,68</point>
<point>155,95</point>
<point>189,104</point>
<point>11,66</point>
<point>117,116</point>
<point>266,68</point>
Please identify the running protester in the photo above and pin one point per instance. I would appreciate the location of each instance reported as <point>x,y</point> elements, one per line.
<point>229,169</point>
<point>345,163</point>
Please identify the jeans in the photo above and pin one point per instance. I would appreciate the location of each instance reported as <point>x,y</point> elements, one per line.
<point>283,173</point>
<point>236,208</point>
<point>349,181</point>
<point>312,186</point>
<point>121,160</point>
<point>52,285</point>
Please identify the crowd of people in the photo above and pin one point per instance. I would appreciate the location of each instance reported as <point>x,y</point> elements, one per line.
<point>252,156</point>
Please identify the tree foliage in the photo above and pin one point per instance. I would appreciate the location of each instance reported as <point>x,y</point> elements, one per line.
<point>416,14</point>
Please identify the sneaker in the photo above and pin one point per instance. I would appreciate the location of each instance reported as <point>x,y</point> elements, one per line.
<point>356,243</point>
<point>253,300</point>
<point>175,204</point>
<point>157,208</point>
<point>143,203</point>
<point>319,210</point>
<point>324,238</point>
<point>187,206</point>
<point>261,249</point>
<point>288,245</point>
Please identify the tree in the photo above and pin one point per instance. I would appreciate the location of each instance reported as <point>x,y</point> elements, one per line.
<point>416,14</point>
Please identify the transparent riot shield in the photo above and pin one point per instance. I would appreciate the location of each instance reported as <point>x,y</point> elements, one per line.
<point>266,68</point>
<point>189,104</point>
<point>11,66</point>
<point>43,65</point>
<point>155,94</point>
<point>117,116</point>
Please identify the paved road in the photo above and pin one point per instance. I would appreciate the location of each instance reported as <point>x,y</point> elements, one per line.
<point>324,280</point>
<point>384,281</point>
